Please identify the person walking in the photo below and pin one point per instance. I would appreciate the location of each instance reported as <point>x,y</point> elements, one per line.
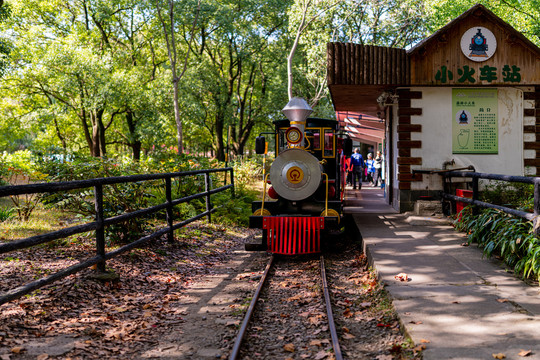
<point>370,165</point>
<point>357,162</point>
<point>378,169</point>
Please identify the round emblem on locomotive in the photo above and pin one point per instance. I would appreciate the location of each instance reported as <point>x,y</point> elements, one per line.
<point>295,175</point>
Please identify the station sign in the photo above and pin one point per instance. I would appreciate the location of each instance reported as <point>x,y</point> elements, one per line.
<point>475,121</point>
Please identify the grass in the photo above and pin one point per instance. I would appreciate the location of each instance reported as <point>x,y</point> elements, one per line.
<point>43,220</point>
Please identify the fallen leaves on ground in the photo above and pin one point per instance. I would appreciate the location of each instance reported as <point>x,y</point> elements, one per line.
<point>402,277</point>
<point>524,353</point>
<point>111,319</point>
<point>498,356</point>
<point>321,355</point>
<point>17,349</point>
<point>315,342</point>
<point>289,347</point>
<point>419,348</point>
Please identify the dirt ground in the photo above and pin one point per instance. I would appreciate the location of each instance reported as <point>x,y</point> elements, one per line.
<point>176,301</point>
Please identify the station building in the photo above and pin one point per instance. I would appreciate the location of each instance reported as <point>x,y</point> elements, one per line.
<point>468,95</point>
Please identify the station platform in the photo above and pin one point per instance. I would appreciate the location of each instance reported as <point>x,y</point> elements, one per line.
<point>457,303</point>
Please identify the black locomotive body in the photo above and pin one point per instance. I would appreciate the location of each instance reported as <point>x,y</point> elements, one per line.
<point>305,185</point>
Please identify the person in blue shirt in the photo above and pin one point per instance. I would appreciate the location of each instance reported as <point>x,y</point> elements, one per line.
<point>357,163</point>
<point>370,164</point>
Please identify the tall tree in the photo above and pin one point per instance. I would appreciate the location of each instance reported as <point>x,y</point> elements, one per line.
<point>86,58</point>
<point>169,33</point>
<point>237,67</point>
<point>522,15</point>
<point>375,22</point>
<point>5,46</point>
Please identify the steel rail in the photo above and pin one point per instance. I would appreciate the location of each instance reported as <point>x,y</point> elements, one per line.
<point>331,323</point>
<point>243,328</point>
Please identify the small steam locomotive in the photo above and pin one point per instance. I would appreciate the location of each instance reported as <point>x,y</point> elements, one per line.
<point>306,183</point>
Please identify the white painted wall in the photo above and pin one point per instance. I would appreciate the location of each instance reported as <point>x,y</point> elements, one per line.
<point>436,136</point>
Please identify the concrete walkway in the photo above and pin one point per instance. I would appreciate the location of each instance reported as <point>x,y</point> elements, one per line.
<point>466,306</point>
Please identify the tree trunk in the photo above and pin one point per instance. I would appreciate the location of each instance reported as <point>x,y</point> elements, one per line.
<point>220,151</point>
<point>95,136</point>
<point>101,127</point>
<point>177,118</point>
<point>134,143</point>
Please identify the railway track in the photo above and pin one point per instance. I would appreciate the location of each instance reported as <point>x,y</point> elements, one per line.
<point>303,289</point>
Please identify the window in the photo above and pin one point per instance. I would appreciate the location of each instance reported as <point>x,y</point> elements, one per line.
<point>328,143</point>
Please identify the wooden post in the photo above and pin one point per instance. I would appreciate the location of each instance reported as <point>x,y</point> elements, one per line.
<point>536,223</point>
<point>475,194</point>
<point>168,195</point>
<point>100,231</point>
<point>207,187</point>
<point>232,183</point>
<point>227,155</point>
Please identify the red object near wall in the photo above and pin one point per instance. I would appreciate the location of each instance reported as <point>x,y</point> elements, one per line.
<point>459,204</point>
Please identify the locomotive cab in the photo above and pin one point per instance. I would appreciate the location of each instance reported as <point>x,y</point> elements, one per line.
<point>304,183</point>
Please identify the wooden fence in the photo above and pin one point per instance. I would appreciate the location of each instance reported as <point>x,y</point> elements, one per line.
<point>508,178</point>
<point>101,222</point>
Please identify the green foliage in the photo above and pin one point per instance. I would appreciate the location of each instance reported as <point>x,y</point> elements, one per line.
<point>500,234</point>
<point>247,171</point>
<point>524,16</point>
<point>19,170</point>
<point>124,198</point>
<point>5,45</point>
<point>516,195</point>
<point>6,213</point>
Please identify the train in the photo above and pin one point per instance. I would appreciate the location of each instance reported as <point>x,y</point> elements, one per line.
<point>306,183</point>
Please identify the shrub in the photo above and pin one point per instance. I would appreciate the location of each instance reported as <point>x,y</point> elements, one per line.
<point>20,169</point>
<point>500,234</point>
<point>246,171</point>
<point>6,213</point>
<point>515,195</point>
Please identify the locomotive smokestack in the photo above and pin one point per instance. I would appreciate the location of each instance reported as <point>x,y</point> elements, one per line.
<point>297,110</point>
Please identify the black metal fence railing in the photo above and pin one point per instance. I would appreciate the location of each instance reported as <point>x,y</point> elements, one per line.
<point>508,178</point>
<point>101,222</point>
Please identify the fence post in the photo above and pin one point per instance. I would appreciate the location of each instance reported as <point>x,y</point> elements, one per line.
<point>168,194</point>
<point>475,194</point>
<point>207,187</point>
<point>100,231</point>
<point>232,182</point>
<point>536,222</point>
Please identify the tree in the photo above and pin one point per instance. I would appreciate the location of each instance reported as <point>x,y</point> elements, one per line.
<point>524,16</point>
<point>375,22</point>
<point>172,50</point>
<point>91,62</point>
<point>5,46</point>
<point>236,68</point>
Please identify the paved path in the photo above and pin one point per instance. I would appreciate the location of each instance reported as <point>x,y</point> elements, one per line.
<point>466,306</point>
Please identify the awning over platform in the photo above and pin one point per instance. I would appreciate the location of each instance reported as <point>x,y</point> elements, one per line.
<point>362,127</point>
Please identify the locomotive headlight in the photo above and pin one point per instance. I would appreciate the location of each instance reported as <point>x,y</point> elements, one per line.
<point>295,174</point>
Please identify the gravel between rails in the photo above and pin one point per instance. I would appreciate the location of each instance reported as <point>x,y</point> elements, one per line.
<point>291,321</point>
